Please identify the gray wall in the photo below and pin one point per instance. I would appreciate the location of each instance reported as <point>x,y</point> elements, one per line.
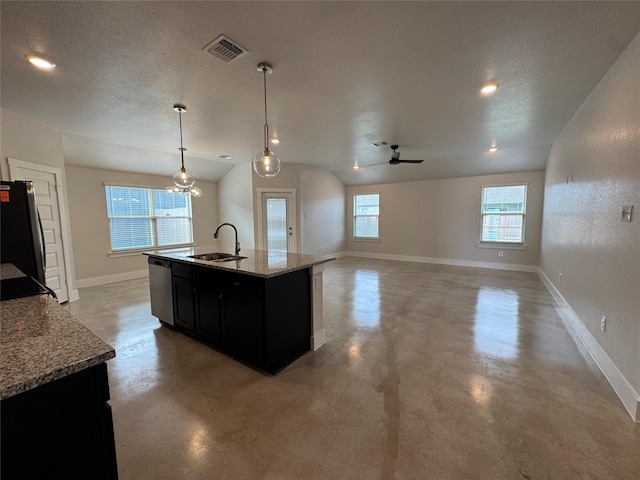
<point>25,140</point>
<point>235,196</point>
<point>441,219</point>
<point>289,177</point>
<point>320,201</point>
<point>322,210</point>
<point>583,238</point>
<point>28,141</point>
<point>90,225</point>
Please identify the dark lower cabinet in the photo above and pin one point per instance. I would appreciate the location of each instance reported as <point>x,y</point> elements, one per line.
<point>207,303</point>
<point>63,429</point>
<point>183,306</point>
<point>265,322</point>
<point>244,326</point>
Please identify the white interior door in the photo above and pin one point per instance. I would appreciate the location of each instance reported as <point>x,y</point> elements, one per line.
<point>278,222</point>
<point>45,185</point>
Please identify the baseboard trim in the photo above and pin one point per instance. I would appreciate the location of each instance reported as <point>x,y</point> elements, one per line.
<point>445,261</point>
<point>318,339</point>
<point>627,395</point>
<point>118,277</point>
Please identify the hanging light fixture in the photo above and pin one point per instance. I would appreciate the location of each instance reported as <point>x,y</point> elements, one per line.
<point>183,179</point>
<point>266,163</point>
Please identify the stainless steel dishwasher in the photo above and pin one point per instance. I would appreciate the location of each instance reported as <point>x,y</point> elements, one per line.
<point>160,289</point>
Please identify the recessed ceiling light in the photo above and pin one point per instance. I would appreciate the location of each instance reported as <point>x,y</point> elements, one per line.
<point>489,88</point>
<point>225,157</point>
<point>40,62</point>
<point>275,140</point>
<point>493,149</point>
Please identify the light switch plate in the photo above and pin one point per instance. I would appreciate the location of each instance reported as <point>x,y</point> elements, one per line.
<point>627,213</point>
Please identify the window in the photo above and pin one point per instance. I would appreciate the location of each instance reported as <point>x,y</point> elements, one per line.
<point>140,218</point>
<point>503,210</point>
<point>366,209</point>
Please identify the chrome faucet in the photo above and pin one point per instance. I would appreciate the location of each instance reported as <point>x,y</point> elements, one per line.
<point>215,235</point>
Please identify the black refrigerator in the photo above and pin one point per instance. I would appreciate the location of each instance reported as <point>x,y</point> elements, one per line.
<point>22,242</point>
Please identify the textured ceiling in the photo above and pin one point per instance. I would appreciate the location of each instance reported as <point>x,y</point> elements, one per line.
<point>346,74</point>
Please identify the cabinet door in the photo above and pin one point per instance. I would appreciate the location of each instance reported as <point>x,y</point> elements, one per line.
<point>207,298</point>
<point>183,308</point>
<point>244,326</point>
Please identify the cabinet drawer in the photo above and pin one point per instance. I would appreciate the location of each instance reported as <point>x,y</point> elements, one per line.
<point>246,284</point>
<point>181,269</point>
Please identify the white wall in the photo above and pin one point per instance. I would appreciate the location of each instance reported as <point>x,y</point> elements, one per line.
<point>25,140</point>
<point>583,236</point>
<point>322,210</point>
<point>90,226</point>
<point>32,142</point>
<point>440,219</point>
<point>235,197</point>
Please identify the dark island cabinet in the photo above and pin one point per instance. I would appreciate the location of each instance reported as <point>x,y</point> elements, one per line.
<point>197,302</point>
<point>265,322</point>
<point>244,324</point>
<point>183,306</point>
<point>62,430</point>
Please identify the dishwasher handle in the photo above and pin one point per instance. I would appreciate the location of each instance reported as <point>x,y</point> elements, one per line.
<point>159,263</point>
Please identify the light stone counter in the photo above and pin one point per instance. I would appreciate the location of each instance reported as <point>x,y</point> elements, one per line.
<point>259,263</point>
<point>9,270</point>
<point>41,342</point>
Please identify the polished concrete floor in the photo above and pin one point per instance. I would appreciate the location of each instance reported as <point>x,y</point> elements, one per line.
<point>429,372</point>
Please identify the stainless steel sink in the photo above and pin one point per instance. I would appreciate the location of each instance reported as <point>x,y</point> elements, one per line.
<point>217,257</point>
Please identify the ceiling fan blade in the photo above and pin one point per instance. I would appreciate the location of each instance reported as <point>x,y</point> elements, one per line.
<point>372,165</point>
<point>410,161</point>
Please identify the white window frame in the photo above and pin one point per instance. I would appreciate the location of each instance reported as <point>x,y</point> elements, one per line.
<point>154,223</point>
<point>520,245</point>
<point>355,217</point>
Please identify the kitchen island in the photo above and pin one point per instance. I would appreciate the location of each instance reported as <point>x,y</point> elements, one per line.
<point>56,422</point>
<point>264,309</point>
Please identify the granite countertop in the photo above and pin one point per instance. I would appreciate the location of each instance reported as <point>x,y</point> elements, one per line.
<point>40,342</point>
<point>9,270</point>
<point>258,263</point>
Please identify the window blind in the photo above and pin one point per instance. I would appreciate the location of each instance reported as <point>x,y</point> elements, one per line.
<point>503,213</point>
<point>144,218</point>
<point>366,212</point>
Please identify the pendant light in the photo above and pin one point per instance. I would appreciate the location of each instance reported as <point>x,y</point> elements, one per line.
<point>183,179</point>
<point>266,163</point>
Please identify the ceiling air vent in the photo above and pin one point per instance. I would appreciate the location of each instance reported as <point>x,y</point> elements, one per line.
<point>225,49</point>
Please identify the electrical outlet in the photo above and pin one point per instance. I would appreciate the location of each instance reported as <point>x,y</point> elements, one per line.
<point>501,254</point>
<point>603,323</point>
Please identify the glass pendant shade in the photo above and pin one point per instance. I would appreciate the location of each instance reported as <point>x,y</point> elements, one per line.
<point>266,164</point>
<point>183,179</point>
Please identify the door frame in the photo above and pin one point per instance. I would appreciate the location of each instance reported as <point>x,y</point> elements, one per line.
<point>65,226</point>
<point>259,216</point>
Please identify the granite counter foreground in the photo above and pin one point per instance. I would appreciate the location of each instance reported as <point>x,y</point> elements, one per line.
<point>41,342</point>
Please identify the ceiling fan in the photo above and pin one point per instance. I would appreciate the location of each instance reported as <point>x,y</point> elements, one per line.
<point>395,159</point>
